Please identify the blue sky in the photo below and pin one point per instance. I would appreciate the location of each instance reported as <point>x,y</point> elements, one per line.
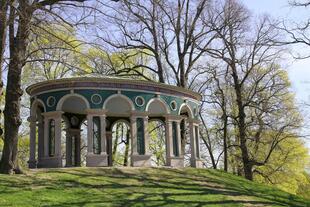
<point>299,70</point>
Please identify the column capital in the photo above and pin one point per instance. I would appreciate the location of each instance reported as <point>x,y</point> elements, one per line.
<point>193,121</point>
<point>175,118</point>
<point>73,130</point>
<point>53,114</point>
<point>139,114</point>
<point>96,112</point>
<point>133,118</point>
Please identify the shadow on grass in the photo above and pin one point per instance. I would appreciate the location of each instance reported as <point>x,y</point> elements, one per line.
<point>145,187</point>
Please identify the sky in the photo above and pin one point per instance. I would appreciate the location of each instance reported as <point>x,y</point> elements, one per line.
<point>299,70</point>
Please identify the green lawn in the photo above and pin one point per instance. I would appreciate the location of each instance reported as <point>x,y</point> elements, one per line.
<point>138,187</point>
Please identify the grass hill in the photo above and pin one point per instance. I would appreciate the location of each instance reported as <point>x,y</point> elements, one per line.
<point>138,187</point>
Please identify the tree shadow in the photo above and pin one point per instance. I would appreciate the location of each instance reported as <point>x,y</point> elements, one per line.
<point>144,187</point>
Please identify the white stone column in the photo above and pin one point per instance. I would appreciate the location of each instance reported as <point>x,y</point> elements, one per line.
<point>172,160</point>
<point>103,135</point>
<point>169,143</point>
<point>138,160</point>
<point>89,134</point>
<point>192,143</point>
<point>179,137</point>
<point>57,119</point>
<point>133,133</point>
<point>95,160</point>
<point>32,157</point>
<point>197,142</point>
<point>55,161</point>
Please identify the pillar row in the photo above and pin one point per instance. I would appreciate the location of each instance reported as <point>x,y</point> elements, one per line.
<point>90,134</point>
<point>169,145</point>
<point>133,133</point>
<point>136,158</point>
<point>194,144</point>
<point>92,159</point>
<point>103,135</point>
<point>173,129</point>
<point>56,160</point>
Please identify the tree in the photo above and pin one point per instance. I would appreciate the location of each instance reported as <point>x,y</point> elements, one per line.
<point>299,4</point>
<point>217,96</point>
<point>126,63</point>
<point>258,84</point>
<point>286,168</point>
<point>4,5</point>
<point>169,39</point>
<point>157,142</point>
<point>23,15</point>
<point>52,53</point>
<point>296,33</point>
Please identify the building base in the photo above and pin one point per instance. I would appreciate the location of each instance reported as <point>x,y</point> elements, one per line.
<point>177,162</point>
<point>50,162</point>
<point>197,163</point>
<point>95,160</point>
<point>141,160</point>
<point>32,164</point>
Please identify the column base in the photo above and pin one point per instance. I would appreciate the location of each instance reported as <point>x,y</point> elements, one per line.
<point>95,160</point>
<point>177,162</point>
<point>141,160</point>
<point>50,162</point>
<point>32,164</point>
<point>197,163</point>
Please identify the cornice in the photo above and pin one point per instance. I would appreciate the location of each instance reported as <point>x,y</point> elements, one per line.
<point>116,83</point>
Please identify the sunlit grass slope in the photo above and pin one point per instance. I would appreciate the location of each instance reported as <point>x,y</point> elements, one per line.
<point>138,187</point>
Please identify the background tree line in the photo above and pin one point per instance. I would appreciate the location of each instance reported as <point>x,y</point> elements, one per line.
<point>250,122</point>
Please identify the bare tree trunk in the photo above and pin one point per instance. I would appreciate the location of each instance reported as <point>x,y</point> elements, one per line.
<point>247,167</point>
<point>3,33</point>
<point>207,142</point>
<point>126,149</point>
<point>3,26</point>
<point>12,120</point>
<point>225,143</point>
<point>115,143</point>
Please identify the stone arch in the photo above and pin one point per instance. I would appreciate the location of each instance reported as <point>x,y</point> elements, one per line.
<point>119,121</point>
<point>156,106</point>
<point>73,97</point>
<point>186,108</point>
<point>35,105</point>
<point>118,104</point>
<point>120,143</point>
<point>36,133</point>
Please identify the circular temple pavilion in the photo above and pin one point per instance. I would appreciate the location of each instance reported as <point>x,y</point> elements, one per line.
<point>102,102</point>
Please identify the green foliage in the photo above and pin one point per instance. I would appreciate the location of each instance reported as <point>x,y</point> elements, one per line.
<point>304,188</point>
<point>53,53</point>
<point>286,166</point>
<point>138,187</point>
<point>23,151</point>
<point>157,143</point>
<point>120,145</point>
